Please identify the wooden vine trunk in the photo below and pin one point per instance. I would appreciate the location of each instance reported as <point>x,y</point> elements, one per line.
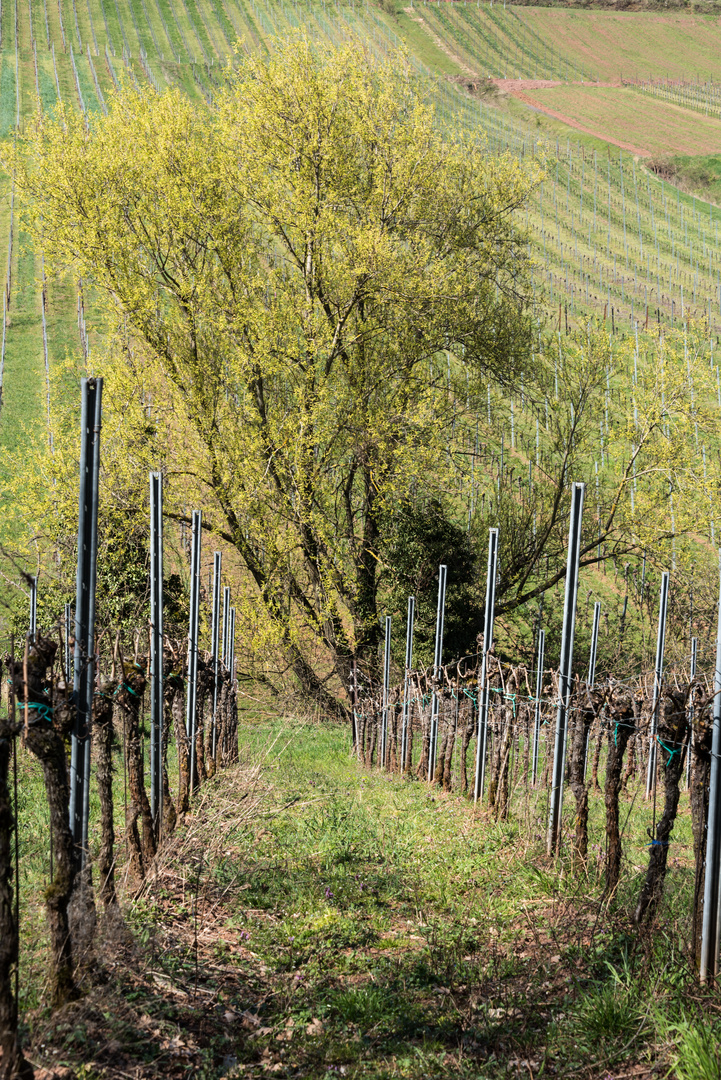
<point>700,776</point>
<point>103,708</point>
<point>211,764</point>
<point>630,760</point>
<point>468,731</point>
<point>598,744</point>
<point>45,730</point>
<point>505,744</point>
<point>623,712</point>
<point>588,702</point>
<point>141,841</point>
<point>182,744</point>
<point>12,1062</point>
<point>672,736</point>
<point>425,711</point>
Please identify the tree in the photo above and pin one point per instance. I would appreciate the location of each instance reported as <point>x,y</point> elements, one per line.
<point>288,269</point>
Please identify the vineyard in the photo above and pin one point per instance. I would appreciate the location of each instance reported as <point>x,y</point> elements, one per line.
<point>505,861</point>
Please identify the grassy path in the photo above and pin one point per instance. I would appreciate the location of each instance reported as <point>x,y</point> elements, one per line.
<point>311,918</point>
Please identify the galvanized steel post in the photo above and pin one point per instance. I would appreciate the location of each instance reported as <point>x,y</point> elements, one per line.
<point>214,638</point>
<point>437,661</point>
<point>226,626</point>
<point>594,645</point>
<point>565,667</point>
<point>483,692</point>
<point>386,683</point>
<point>33,609</point>
<point>84,666</point>
<point>231,647</point>
<point>657,679</point>
<point>537,717</point>
<point>156,648</point>
<point>193,628</point>
<point>694,663</point>
<point>68,635</point>
<point>711,926</point>
<point>410,622</point>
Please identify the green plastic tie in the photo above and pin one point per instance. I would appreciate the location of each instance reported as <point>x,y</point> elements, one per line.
<point>41,706</point>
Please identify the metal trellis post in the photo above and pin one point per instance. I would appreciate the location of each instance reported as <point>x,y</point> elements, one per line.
<point>491,575</point>
<point>231,647</point>
<point>194,619</point>
<point>84,666</point>
<point>156,648</point>
<point>565,667</point>
<point>386,682</point>
<point>33,609</point>
<point>694,665</point>
<point>592,670</point>
<point>215,636</point>
<point>410,621</point>
<point>711,926</point>
<point>68,635</point>
<point>537,717</point>
<point>226,626</point>
<point>658,676</point>
<point>437,660</point>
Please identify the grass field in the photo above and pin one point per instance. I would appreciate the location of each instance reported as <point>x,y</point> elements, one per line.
<point>621,114</point>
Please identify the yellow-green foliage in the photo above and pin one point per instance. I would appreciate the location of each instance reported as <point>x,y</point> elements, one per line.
<point>283,269</point>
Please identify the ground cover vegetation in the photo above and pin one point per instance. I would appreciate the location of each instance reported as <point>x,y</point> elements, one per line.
<point>315,918</point>
<point>382,352</point>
